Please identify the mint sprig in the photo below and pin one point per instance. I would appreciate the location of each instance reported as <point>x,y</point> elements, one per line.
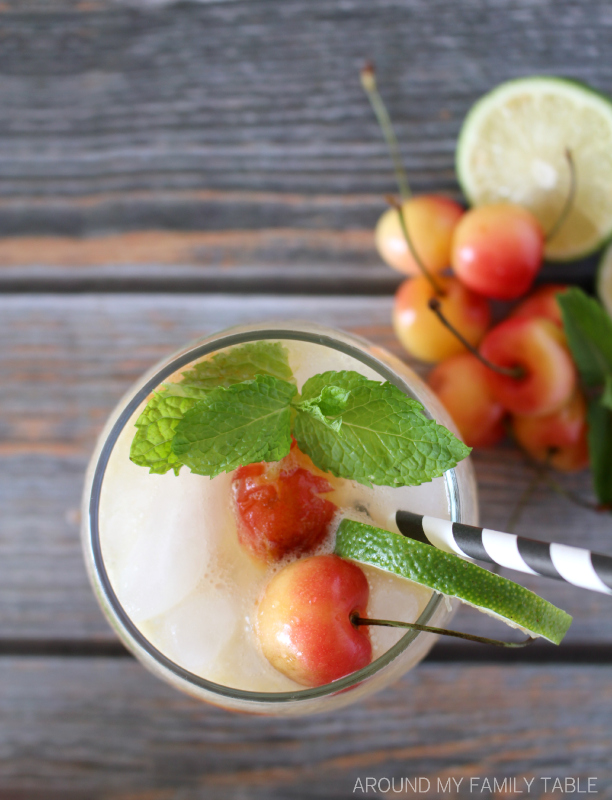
<point>350,426</point>
<point>156,426</point>
<point>237,425</point>
<point>372,433</point>
<point>589,334</point>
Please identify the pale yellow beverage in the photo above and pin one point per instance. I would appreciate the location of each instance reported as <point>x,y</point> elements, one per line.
<point>182,592</point>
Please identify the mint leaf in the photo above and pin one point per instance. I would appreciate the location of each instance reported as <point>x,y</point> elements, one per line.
<point>155,427</point>
<point>378,437</point>
<point>152,443</point>
<point>345,379</point>
<point>600,450</point>
<point>589,334</point>
<point>237,425</point>
<point>237,365</point>
<point>327,407</point>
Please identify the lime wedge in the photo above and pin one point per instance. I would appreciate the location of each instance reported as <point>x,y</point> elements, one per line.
<point>452,576</point>
<point>604,279</point>
<point>512,148</point>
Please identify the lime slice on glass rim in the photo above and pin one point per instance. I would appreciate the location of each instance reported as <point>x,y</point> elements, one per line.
<point>512,147</point>
<point>453,576</point>
<point>604,279</point>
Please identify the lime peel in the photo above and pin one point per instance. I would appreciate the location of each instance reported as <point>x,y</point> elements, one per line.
<point>452,576</point>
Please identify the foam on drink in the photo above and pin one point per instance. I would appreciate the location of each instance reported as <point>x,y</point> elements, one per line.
<point>172,555</point>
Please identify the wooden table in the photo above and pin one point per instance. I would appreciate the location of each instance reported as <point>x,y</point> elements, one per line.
<point>166,171</point>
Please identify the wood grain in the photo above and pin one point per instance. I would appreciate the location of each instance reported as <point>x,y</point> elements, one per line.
<point>68,359</point>
<point>211,117</point>
<point>239,96</point>
<point>99,728</point>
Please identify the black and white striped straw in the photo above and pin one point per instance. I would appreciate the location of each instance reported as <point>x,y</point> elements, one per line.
<point>572,564</point>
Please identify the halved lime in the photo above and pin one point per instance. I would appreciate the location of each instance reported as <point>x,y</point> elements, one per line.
<point>512,148</point>
<point>604,279</point>
<point>452,576</point>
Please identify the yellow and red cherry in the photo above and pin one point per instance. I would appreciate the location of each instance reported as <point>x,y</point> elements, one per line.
<point>558,439</point>
<point>497,250</point>
<point>419,329</point>
<point>542,303</point>
<point>462,384</point>
<point>305,620</point>
<point>430,220</point>
<point>278,508</point>
<point>533,348</point>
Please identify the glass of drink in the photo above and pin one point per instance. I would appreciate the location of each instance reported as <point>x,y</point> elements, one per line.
<point>163,557</point>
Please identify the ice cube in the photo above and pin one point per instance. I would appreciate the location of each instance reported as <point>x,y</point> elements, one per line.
<point>197,630</point>
<point>170,527</point>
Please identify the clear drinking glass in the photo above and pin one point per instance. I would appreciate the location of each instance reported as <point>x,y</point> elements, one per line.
<point>406,653</point>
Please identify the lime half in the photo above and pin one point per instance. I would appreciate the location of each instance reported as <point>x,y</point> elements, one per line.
<point>512,148</point>
<point>452,576</point>
<point>604,279</point>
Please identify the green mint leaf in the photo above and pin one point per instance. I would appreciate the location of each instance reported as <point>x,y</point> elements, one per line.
<point>383,438</point>
<point>152,443</point>
<point>589,334</point>
<point>600,450</point>
<point>346,379</point>
<point>237,365</point>
<point>155,427</point>
<point>237,425</point>
<point>327,407</point>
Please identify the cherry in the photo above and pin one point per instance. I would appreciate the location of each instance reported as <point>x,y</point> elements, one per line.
<point>418,329</point>
<point>558,439</point>
<point>545,376</point>
<point>431,220</point>
<point>461,383</point>
<point>542,303</point>
<point>497,250</point>
<point>304,620</point>
<point>278,510</point>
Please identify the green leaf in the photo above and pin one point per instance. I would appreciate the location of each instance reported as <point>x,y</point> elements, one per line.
<point>152,443</point>
<point>237,365</point>
<point>327,407</point>
<point>346,379</point>
<point>600,450</point>
<point>380,436</point>
<point>589,334</point>
<point>155,427</point>
<point>237,425</point>
<point>606,397</point>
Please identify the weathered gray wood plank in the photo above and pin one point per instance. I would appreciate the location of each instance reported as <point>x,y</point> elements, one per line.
<point>66,360</point>
<point>217,117</point>
<point>98,729</point>
<point>279,260</point>
<point>244,95</point>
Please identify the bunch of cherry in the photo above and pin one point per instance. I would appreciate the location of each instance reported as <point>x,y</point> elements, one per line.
<point>520,370</point>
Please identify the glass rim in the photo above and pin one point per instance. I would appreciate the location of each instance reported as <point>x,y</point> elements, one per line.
<point>354,347</point>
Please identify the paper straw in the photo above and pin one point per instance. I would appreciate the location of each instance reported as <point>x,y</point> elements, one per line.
<point>571,564</point>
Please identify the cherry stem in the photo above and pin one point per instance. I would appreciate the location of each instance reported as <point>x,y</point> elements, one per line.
<point>511,372</point>
<point>368,81</point>
<point>569,200</point>
<point>404,226</point>
<point>388,623</point>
